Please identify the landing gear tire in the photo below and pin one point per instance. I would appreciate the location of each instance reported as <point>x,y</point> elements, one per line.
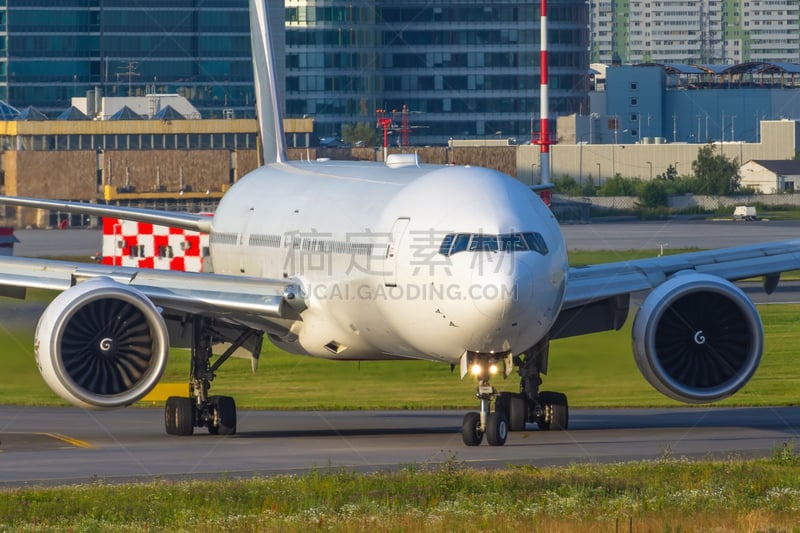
<point>471,429</point>
<point>224,415</point>
<point>515,407</point>
<point>496,429</point>
<point>179,416</point>
<point>555,411</point>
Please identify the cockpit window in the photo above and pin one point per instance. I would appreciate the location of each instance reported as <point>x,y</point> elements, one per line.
<point>508,242</point>
<point>486,243</point>
<point>513,242</point>
<point>460,243</point>
<point>535,242</point>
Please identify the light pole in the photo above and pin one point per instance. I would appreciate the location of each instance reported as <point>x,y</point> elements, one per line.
<point>598,175</point>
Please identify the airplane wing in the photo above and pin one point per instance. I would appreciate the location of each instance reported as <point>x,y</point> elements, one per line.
<point>187,221</point>
<point>741,262</point>
<point>266,304</point>
<point>597,296</point>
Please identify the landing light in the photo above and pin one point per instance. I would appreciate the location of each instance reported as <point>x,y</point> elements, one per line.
<point>476,369</point>
<point>493,368</point>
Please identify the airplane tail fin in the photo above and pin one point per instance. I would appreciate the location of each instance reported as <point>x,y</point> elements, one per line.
<point>270,122</point>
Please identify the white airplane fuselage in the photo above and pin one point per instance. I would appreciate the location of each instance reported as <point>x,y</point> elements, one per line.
<point>365,242</point>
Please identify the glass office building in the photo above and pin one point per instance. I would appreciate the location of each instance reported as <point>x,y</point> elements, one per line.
<point>51,50</point>
<point>460,68</point>
<point>464,69</point>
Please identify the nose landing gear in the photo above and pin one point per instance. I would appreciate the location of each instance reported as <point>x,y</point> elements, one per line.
<point>490,422</point>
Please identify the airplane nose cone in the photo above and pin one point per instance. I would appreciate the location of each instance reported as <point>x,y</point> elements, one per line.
<point>502,291</point>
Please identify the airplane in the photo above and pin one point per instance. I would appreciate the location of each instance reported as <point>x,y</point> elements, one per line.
<point>380,261</point>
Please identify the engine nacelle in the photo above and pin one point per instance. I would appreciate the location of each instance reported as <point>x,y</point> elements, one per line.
<point>697,338</point>
<point>101,344</point>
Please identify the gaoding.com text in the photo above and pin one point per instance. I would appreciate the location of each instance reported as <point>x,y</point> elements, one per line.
<point>411,292</point>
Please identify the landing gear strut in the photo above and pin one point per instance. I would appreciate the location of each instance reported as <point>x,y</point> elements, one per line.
<point>512,411</point>
<point>216,413</point>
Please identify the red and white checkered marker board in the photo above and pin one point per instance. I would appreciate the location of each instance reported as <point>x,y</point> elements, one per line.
<point>144,245</point>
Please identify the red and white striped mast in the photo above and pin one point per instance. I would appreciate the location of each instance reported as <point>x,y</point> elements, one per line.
<point>544,141</point>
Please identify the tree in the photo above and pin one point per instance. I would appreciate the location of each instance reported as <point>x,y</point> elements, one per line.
<point>619,186</point>
<point>568,186</point>
<point>714,173</point>
<point>363,132</point>
<point>653,194</point>
<point>671,174</point>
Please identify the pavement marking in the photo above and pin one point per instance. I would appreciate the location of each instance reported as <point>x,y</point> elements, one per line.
<point>162,391</point>
<point>70,440</point>
<point>16,441</point>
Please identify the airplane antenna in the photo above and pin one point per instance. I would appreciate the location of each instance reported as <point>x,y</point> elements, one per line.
<point>270,122</point>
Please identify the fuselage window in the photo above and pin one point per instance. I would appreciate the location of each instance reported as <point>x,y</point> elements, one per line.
<point>508,242</point>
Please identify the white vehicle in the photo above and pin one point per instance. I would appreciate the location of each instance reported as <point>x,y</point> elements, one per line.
<point>366,261</point>
<point>745,212</point>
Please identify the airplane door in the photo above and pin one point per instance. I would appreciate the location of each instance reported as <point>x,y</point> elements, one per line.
<point>246,261</point>
<point>390,265</point>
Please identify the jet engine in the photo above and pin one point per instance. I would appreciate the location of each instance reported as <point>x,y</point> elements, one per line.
<point>697,338</point>
<point>101,344</point>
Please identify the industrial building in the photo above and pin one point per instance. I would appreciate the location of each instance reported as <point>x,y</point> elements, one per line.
<point>174,162</point>
<point>692,103</point>
<point>594,163</point>
<point>647,117</point>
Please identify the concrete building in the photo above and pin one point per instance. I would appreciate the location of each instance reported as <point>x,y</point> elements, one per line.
<point>778,140</point>
<point>771,176</point>
<point>708,31</point>
<point>183,165</point>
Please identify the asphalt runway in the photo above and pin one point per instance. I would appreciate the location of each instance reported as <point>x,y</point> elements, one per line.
<point>58,243</point>
<point>623,235</point>
<point>676,234</point>
<point>68,445</point>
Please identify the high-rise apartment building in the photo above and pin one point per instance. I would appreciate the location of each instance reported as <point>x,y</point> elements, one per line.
<point>686,31</point>
<point>459,68</point>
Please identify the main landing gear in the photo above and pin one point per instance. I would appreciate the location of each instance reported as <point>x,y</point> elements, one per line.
<point>502,412</point>
<point>216,413</point>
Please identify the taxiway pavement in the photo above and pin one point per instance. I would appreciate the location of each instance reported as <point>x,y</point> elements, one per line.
<point>69,445</point>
